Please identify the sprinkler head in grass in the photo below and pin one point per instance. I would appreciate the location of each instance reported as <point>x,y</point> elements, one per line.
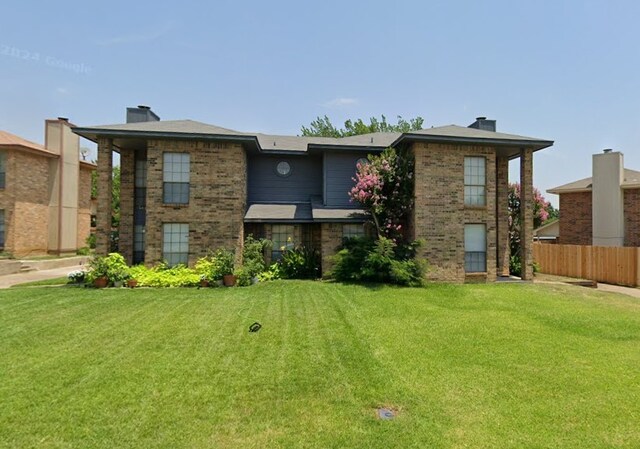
<point>385,414</point>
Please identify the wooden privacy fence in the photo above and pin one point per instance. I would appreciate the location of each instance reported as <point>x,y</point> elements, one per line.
<point>613,265</point>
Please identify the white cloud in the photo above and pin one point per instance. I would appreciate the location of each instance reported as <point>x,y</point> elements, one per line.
<point>62,90</point>
<point>340,102</point>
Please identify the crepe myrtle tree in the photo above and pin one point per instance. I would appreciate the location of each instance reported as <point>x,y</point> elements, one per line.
<point>543,211</point>
<point>384,188</point>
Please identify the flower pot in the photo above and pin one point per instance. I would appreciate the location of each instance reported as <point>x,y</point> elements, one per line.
<point>204,283</point>
<point>229,280</point>
<point>117,284</point>
<point>132,283</point>
<point>101,282</point>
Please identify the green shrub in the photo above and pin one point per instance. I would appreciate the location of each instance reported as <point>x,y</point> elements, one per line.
<point>117,268</point>
<point>97,268</point>
<point>271,274</point>
<point>84,251</point>
<point>515,267</point>
<point>253,255</point>
<point>223,263</point>
<point>162,276</point>
<point>243,277</point>
<point>215,265</point>
<point>300,263</point>
<point>205,267</point>
<point>91,241</point>
<point>382,260</point>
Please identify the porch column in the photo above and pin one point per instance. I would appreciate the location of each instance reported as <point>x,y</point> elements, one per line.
<point>526,213</point>
<point>103,214</point>
<point>502,214</point>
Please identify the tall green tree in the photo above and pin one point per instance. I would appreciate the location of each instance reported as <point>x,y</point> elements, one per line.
<point>322,127</point>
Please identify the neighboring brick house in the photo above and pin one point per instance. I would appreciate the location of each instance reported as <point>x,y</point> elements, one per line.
<point>602,210</point>
<point>188,187</point>
<point>45,193</point>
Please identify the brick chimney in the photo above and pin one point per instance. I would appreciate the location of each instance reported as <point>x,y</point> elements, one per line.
<point>608,198</point>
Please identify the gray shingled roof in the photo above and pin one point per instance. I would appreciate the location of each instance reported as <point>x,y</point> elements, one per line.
<point>268,142</point>
<point>314,211</point>
<point>170,126</point>
<point>463,132</point>
<point>631,178</point>
<point>279,212</point>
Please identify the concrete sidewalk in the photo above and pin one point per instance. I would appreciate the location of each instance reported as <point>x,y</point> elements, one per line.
<point>30,276</point>
<point>635,292</point>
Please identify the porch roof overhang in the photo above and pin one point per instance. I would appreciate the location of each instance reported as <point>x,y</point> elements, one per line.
<point>302,213</point>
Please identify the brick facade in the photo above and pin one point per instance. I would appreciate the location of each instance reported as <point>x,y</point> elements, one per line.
<point>576,222</point>
<point>526,214</point>
<point>632,217</point>
<point>104,212</point>
<point>218,191</point>
<point>330,241</point>
<point>30,201</point>
<point>25,200</point>
<point>440,213</point>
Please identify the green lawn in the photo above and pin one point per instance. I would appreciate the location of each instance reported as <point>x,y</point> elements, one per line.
<point>476,366</point>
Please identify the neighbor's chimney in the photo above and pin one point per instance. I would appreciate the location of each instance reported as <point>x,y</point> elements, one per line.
<point>484,124</point>
<point>607,198</point>
<point>141,114</point>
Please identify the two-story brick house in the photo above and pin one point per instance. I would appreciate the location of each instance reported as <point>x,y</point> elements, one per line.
<point>604,209</point>
<point>45,193</point>
<point>187,187</point>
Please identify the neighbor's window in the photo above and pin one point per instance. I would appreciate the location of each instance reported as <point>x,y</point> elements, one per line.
<point>175,243</point>
<point>175,173</point>
<point>475,248</point>
<point>1,228</point>
<point>3,164</point>
<point>282,238</point>
<point>475,181</point>
<point>352,230</point>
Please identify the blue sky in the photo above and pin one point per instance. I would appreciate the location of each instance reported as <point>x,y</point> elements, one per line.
<point>561,70</point>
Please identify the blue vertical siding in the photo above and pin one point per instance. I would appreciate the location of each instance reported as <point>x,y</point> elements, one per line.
<point>340,168</point>
<point>264,184</point>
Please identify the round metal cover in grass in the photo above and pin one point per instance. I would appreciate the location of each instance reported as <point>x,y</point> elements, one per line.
<point>386,413</point>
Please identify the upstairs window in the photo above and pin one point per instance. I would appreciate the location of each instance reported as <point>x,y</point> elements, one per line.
<point>3,169</point>
<point>175,174</point>
<point>475,181</point>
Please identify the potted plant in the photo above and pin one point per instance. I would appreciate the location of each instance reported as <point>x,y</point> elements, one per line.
<point>204,282</point>
<point>223,267</point>
<point>98,272</point>
<point>132,283</point>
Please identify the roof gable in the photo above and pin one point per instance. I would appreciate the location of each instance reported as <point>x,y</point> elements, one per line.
<point>11,140</point>
<point>631,178</point>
